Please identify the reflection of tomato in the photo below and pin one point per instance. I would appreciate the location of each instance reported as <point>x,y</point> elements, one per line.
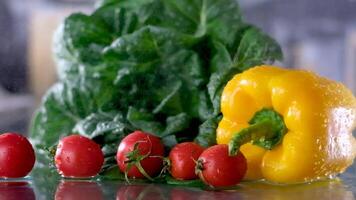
<point>13,183</point>
<point>16,191</point>
<point>213,195</point>
<point>142,192</point>
<point>183,194</point>
<point>78,190</point>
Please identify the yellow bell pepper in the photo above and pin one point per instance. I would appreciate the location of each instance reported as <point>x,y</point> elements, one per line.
<point>307,134</point>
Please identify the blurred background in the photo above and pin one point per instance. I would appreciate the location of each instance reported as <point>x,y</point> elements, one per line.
<point>318,35</point>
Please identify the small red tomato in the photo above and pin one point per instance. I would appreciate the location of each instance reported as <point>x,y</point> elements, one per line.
<point>146,145</point>
<point>78,156</point>
<point>217,169</point>
<point>17,156</point>
<point>183,157</point>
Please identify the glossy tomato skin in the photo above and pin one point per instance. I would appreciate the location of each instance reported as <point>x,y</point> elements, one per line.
<point>218,169</point>
<point>17,156</point>
<point>78,156</point>
<point>182,158</point>
<point>147,143</point>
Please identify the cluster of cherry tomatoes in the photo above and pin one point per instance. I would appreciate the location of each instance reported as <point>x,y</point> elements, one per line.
<point>139,155</point>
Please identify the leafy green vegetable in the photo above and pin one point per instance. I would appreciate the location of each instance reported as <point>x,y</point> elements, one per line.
<point>255,48</point>
<point>207,136</point>
<point>112,173</point>
<point>159,66</point>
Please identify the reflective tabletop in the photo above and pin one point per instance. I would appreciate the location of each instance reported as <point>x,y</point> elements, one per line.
<point>46,184</point>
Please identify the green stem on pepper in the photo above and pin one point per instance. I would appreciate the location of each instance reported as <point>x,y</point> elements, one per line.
<point>267,129</point>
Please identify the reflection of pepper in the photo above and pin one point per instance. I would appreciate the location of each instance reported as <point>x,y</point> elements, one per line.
<point>300,125</point>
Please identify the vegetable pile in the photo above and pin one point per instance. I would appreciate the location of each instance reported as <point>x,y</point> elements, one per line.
<point>140,156</point>
<point>153,65</point>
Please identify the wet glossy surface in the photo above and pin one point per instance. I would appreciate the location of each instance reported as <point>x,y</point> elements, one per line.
<point>45,185</point>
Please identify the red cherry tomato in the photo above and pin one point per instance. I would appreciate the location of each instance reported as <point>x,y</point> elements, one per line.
<point>78,190</point>
<point>78,156</point>
<point>146,144</point>
<point>17,156</point>
<point>217,169</point>
<point>183,157</point>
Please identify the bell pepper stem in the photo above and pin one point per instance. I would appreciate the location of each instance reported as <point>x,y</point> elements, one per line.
<point>267,129</point>
<point>254,132</point>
